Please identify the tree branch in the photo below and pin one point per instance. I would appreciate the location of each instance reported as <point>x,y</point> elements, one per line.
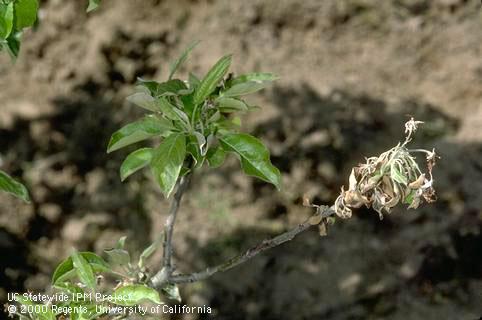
<point>322,212</point>
<point>165,272</point>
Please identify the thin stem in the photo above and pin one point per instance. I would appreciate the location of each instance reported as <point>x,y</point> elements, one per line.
<point>322,212</point>
<point>171,220</point>
<point>164,273</point>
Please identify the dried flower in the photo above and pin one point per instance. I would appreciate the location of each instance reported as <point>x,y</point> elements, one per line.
<point>391,178</point>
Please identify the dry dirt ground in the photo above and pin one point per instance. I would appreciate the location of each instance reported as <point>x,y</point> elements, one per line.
<point>351,71</point>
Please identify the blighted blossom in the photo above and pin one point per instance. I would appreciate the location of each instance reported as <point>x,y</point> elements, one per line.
<point>391,178</point>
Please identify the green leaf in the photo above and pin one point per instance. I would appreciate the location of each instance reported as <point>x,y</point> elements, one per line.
<point>170,87</point>
<point>211,80</point>
<point>65,270</point>
<point>93,4</point>
<point>25,13</point>
<point>144,100</point>
<point>254,77</point>
<point>134,294</point>
<point>167,109</point>
<point>68,287</point>
<point>228,125</point>
<point>182,58</point>
<point>244,88</point>
<point>396,175</point>
<point>171,291</point>
<point>194,81</point>
<point>149,251</point>
<point>84,270</point>
<point>193,148</point>
<point>6,20</point>
<point>10,185</point>
<point>249,83</point>
<point>135,161</point>
<point>118,257</point>
<point>216,156</point>
<point>121,243</point>
<point>254,157</point>
<point>201,142</point>
<point>181,115</point>
<point>167,161</point>
<point>228,105</point>
<point>13,44</point>
<point>143,129</point>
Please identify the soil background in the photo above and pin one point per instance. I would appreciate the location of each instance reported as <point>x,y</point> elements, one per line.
<point>352,72</point>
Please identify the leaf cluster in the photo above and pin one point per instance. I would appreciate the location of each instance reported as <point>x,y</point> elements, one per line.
<point>79,279</point>
<point>15,16</point>
<point>196,121</point>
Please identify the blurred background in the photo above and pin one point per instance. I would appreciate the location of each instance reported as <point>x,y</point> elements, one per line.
<point>352,71</point>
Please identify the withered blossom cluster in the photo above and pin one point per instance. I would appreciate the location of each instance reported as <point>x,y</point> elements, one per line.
<point>391,178</point>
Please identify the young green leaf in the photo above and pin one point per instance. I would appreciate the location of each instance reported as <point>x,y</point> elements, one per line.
<point>25,13</point>
<point>211,80</point>
<point>84,270</point>
<point>201,141</point>
<point>68,287</point>
<point>254,157</point>
<point>93,4</point>
<point>121,243</point>
<point>181,115</point>
<point>167,161</point>
<point>144,100</point>
<point>248,83</point>
<point>134,294</point>
<point>193,148</point>
<point>145,128</point>
<point>167,109</point>
<point>6,19</point>
<point>9,185</point>
<point>135,161</point>
<point>149,251</point>
<point>13,44</point>
<point>173,86</point>
<point>182,58</point>
<point>229,105</point>
<point>244,88</point>
<point>215,156</point>
<point>254,77</point>
<point>65,270</point>
<point>170,87</point>
<point>194,81</point>
<point>118,257</point>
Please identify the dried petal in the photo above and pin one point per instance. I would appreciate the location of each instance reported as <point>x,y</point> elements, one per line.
<point>388,186</point>
<point>352,180</point>
<point>354,199</point>
<point>417,183</point>
<point>341,209</point>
